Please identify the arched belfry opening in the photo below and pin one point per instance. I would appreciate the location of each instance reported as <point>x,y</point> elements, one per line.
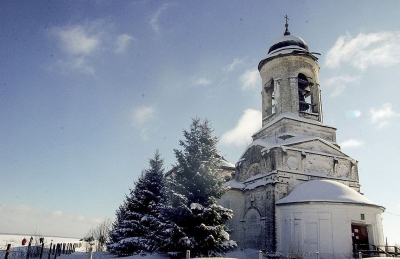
<point>304,87</point>
<point>268,94</point>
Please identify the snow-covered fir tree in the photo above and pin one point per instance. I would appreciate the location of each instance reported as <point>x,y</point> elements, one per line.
<point>195,184</point>
<point>140,225</point>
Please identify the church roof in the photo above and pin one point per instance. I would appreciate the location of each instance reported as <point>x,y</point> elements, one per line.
<point>226,164</point>
<point>286,141</point>
<point>325,191</point>
<point>287,42</point>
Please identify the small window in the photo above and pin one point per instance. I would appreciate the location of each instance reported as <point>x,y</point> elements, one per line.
<point>362,216</point>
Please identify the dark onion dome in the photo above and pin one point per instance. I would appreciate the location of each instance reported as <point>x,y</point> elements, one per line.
<point>287,44</point>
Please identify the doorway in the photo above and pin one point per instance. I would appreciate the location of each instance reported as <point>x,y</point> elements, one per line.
<point>359,235</point>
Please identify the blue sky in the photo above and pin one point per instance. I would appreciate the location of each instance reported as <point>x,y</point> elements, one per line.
<point>90,89</point>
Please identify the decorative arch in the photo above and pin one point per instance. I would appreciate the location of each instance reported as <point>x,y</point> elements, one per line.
<point>308,73</point>
<point>250,209</point>
<point>253,170</point>
<point>253,228</point>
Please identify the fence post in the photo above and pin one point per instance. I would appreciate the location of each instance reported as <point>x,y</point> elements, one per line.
<point>48,256</point>
<point>29,248</point>
<point>359,255</point>
<point>8,251</point>
<point>187,254</point>
<point>260,255</point>
<point>91,251</point>
<point>317,254</point>
<point>55,250</point>
<point>41,251</point>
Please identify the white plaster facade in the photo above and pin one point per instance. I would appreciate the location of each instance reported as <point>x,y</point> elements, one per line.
<point>293,148</point>
<point>319,215</point>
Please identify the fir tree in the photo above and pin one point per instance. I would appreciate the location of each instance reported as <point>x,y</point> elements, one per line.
<point>195,185</point>
<point>140,225</point>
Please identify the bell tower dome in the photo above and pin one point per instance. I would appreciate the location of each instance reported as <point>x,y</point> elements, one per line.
<point>290,82</point>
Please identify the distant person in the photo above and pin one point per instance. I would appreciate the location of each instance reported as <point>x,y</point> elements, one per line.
<point>24,241</point>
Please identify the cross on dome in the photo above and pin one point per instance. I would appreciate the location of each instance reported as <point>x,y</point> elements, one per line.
<point>287,26</point>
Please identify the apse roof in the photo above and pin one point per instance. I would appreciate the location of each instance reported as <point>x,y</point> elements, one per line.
<point>325,191</point>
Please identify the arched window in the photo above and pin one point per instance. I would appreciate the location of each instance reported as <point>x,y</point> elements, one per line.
<point>304,93</point>
<point>269,98</point>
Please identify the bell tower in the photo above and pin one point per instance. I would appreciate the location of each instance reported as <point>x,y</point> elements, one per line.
<point>290,82</point>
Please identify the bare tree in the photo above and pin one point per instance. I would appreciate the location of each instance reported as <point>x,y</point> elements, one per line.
<point>102,234</point>
<point>99,235</point>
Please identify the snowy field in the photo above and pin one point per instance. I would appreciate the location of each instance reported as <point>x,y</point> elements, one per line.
<point>16,241</point>
<point>18,251</point>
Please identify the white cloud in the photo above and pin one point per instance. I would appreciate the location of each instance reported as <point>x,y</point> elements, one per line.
<point>352,143</point>
<point>78,42</point>
<point>25,219</point>
<point>79,64</point>
<point>250,79</point>
<point>57,213</point>
<point>364,50</point>
<point>143,114</point>
<point>202,81</point>
<point>156,16</point>
<point>233,65</point>
<point>75,40</point>
<point>247,125</point>
<point>122,42</point>
<point>339,83</point>
<point>381,116</point>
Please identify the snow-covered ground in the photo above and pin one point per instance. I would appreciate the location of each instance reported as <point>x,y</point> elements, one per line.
<point>16,241</point>
<point>16,246</point>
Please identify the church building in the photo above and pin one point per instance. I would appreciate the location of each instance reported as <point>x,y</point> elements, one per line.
<point>294,192</point>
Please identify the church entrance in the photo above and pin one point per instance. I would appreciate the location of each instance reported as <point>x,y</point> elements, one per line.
<point>360,237</point>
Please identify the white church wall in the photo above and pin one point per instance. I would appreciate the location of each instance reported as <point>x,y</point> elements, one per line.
<point>304,229</point>
<point>234,200</point>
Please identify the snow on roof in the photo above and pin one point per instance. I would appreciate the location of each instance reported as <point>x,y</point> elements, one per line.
<point>289,38</point>
<point>258,183</point>
<point>234,184</point>
<point>225,163</point>
<point>287,42</point>
<point>268,143</point>
<point>325,191</point>
<point>292,116</point>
